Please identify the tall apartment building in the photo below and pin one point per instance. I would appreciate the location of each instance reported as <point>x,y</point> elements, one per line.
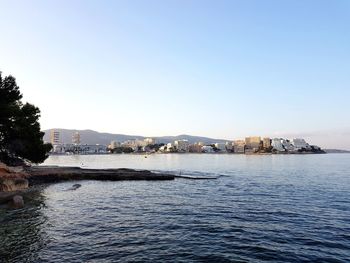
<point>54,137</point>
<point>182,145</point>
<point>239,146</point>
<point>252,142</point>
<point>76,138</point>
<point>266,143</point>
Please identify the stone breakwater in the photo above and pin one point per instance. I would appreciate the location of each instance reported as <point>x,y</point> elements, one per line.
<point>52,174</point>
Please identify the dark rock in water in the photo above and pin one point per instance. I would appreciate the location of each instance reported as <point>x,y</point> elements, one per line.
<point>17,202</point>
<point>75,187</point>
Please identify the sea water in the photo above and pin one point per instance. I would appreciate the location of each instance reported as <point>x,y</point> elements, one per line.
<point>276,208</point>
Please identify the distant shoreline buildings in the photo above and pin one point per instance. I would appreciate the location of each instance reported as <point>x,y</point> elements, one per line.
<point>250,145</point>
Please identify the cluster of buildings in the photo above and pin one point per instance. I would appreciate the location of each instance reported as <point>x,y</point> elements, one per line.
<point>250,145</point>
<point>75,147</point>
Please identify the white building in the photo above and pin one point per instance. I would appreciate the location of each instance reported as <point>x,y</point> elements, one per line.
<point>207,149</point>
<point>57,148</point>
<point>277,144</point>
<point>229,146</point>
<point>220,146</point>
<point>170,147</point>
<point>93,148</point>
<point>134,144</point>
<point>300,144</point>
<point>287,145</point>
<point>163,148</point>
<point>149,141</point>
<point>182,145</point>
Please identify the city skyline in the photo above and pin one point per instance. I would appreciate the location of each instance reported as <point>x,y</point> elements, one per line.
<point>226,70</point>
<point>198,138</point>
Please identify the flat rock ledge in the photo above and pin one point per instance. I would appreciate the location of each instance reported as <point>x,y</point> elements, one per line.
<point>52,174</point>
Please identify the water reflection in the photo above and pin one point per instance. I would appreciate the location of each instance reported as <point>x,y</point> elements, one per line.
<point>21,231</point>
<point>269,208</point>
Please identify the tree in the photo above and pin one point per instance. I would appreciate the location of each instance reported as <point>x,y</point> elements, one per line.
<point>20,135</point>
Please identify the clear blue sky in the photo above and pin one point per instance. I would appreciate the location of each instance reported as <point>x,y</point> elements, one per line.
<point>224,69</point>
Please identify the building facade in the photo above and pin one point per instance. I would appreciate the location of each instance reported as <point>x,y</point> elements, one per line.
<point>239,146</point>
<point>55,137</point>
<point>252,143</point>
<point>76,138</point>
<point>300,144</point>
<point>266,143</point>
<point>181,145</point>
<point>195,148</point>
<point>277,144</point>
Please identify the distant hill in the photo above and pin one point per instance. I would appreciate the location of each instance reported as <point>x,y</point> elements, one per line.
<point>94,137</point>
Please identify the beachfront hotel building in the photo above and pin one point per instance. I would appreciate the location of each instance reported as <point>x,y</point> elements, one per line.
<point>252,142</point>
<point>54,137</point>
<point>220,146</point>
<point>207,149</point>
<point>239,146</point>
<point>182,145</point>
<point>266,143</point>
<point>300,144</point>
<point>195,148</point>
<point>229,146</point>
<point>287,145</point>
<point>76,138</point>
<point>277,144</point>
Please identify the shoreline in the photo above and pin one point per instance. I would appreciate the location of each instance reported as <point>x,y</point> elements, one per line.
<point>196,153</point>
<point>53,174</point>
<point>14,185</point>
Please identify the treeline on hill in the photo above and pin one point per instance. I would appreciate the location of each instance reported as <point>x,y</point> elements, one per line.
<point>20,136</point>
<point>122,149</point>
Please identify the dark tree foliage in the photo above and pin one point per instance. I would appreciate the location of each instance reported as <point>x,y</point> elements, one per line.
<point>20,135</point>
<point>122,150</point>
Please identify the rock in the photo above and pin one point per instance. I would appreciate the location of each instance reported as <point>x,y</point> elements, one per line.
<point>12,178</point>
<point>8,185</point>
<point>12,172</point>
<point>17,202</point>
<point>74,187</point>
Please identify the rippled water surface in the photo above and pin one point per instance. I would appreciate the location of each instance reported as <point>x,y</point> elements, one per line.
<point>293,208</point>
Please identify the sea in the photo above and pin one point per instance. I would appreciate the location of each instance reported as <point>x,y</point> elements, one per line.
<point>252,208</point>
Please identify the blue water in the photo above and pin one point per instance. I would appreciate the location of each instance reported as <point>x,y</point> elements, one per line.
<point>280,208</point>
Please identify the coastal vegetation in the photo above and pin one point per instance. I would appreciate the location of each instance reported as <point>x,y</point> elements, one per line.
<point>21,139</point>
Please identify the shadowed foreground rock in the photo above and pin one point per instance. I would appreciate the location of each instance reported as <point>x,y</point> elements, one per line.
<point>51,174</point>
<point>17,202</point>
<point>16,184</point>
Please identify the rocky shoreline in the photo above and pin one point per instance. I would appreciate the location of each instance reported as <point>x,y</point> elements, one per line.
<point>15,181</point>
<point>53,174</point>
